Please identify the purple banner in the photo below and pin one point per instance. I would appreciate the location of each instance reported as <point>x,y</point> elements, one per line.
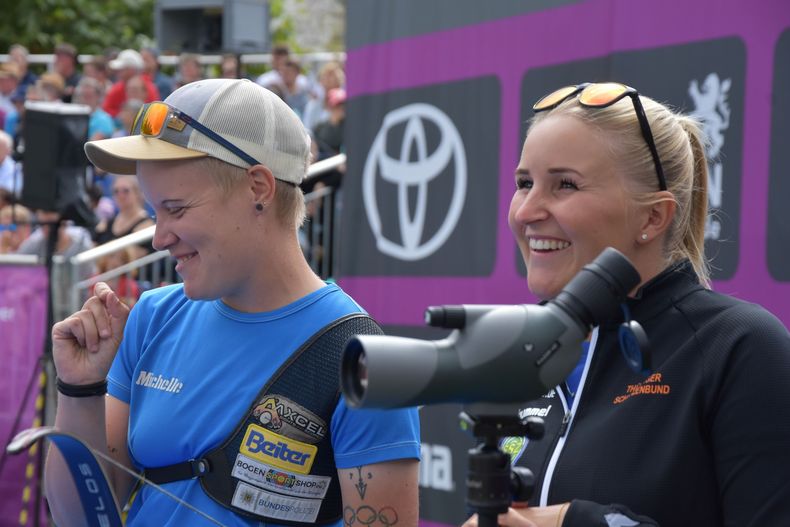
<point>520,51</point>
<point>23,319</point>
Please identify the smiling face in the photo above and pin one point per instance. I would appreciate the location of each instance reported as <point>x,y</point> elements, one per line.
<point>207,230</point>
<point>570,203</point>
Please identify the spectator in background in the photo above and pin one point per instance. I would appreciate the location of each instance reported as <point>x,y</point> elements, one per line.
<point>330,76</point>
<point>189,69</point>
<point>13,121</point>
<point>275,89</point>
<point>15,227</point>
<point>18,55</point>
<point>125,286</point>
<point>163,82</point>
<point>328,141</point>
<point>230,66</point>
<point>109,54</point>
<point>136,88</point>
<point>329,135</point>
<point>71,240</point>
<point>102,206</point>
<point>131,216</point>
<point>296,96</point>
<point>280,55</point>
<point>10,173</point>
<point>97,69</point>
<point>123,122</point>
<point>50,87</point>
<point>9,82</point>
<point>128,64</point>
<point>12,118</point>
<point>100,125</point>
<point>6,198</point>
<point>90,93</point>
<point>67,67</point>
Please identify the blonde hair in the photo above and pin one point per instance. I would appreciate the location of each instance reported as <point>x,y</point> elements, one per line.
<point>17,213</point>
<point>288,198</point>
<point>680,144</point>
<point>134,184</point>
<point>335,69</point>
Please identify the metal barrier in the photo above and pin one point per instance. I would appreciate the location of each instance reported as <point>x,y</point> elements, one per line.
<point>317,235</point>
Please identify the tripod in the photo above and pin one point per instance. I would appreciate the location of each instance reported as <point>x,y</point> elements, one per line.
<point>491,484</point>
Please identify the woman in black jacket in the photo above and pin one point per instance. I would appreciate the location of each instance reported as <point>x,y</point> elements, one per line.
<point>702,438</point>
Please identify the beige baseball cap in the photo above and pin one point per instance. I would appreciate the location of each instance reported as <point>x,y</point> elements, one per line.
<point>247,115</point>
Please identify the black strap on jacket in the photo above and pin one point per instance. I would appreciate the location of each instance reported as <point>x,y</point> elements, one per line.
<point>278,464</point>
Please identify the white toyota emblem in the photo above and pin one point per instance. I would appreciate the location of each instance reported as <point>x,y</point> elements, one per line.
<point>405,173</point>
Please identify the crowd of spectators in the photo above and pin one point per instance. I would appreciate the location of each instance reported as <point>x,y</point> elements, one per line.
<point>115,86</point>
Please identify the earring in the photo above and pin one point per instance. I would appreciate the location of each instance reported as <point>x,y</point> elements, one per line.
<point>259,207</point>
<point>644,236</point>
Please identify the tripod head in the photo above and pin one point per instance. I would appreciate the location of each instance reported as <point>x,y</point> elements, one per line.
<point>491,483</point>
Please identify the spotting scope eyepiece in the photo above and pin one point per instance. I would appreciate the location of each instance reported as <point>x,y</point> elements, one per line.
<point>495,353</point>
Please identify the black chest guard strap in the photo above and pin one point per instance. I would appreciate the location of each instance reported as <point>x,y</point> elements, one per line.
<point>278,464</point>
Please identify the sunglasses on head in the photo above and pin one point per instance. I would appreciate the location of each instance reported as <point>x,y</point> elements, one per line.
<point>601,95</point>
<point>154,117</point>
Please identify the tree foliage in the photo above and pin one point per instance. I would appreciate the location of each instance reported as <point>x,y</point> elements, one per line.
<point>282,26</point>
<point>90,25</point>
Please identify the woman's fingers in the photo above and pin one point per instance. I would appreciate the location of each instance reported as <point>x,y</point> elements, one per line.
<point>85,342</point>
<point>69,329</point>
<point>512,518</point>
<point>471,522</point>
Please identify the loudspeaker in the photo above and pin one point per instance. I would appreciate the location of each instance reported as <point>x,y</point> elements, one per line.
<point>54,161</point>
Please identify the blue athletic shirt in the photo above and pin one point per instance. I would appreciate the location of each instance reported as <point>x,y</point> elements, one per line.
<point>190,370</point>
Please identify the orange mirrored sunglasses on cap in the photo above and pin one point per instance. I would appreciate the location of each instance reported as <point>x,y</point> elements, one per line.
<point>154,117</point>
<point>601,95</point>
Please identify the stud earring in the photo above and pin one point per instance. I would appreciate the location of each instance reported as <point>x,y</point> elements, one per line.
<point>259,207</point>
<point>644,236</point>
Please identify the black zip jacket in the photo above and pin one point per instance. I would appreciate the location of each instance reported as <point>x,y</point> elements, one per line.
<point>702,441</point>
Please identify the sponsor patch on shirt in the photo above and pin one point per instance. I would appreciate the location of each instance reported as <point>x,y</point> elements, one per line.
<point>279,451</point>
<point>259,501</point>
<point>282,415</point>
<point>514,446</point>
<point>270,478</point>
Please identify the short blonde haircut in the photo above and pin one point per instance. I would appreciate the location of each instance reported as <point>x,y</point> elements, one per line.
<point>288,198</point>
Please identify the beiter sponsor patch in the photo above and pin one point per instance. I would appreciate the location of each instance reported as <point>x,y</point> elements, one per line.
<point>276,450</point>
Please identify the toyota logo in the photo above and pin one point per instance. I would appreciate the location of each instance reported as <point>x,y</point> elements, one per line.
<point>408,174</point>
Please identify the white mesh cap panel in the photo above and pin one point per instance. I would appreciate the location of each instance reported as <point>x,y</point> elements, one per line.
<point>255,120</point>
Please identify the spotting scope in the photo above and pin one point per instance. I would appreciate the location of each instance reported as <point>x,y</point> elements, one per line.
<point>495,353</point>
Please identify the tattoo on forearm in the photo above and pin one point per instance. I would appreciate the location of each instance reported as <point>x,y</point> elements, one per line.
<point>360,485</point>
<point>367,515</point>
